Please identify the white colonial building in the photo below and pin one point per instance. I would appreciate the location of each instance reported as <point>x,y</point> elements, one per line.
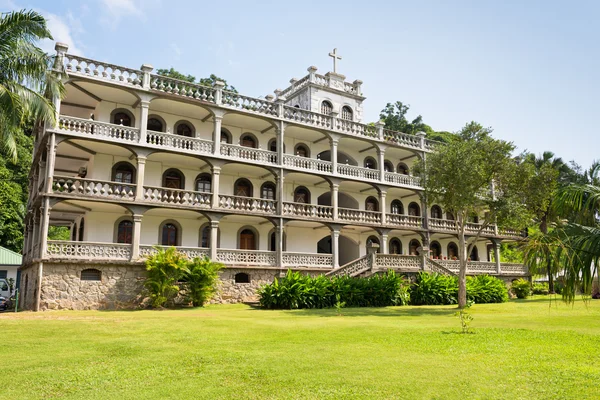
<point>291,181</point>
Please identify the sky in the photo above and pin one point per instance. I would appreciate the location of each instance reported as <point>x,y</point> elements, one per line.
<point>528,69</point>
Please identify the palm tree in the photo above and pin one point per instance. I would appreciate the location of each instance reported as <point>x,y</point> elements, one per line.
<point>26,86</point>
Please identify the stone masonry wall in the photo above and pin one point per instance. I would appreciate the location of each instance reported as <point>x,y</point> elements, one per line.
<point>230,292</point>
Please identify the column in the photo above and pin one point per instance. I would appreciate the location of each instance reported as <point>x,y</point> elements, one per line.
<point>384,242</point>
<point>214,239</point>
<point>50,159</point>
<point>334,154</point>
<point>335,251</point>
<point>280,143</point>
<point>383,207</point>
<point>496,244</point>
<point>35,233</point>
<point>335,189</point>
<point>381,161</point>
<point>217,134</point>
<point>424,212</point>
<point>216,177</point>
<point>279,238</point>
<point>44,225</point>
<point>136,237</point>
<point>61,49</point>
<point>139,178</point>
<point>144,110</point>
<point>279,182</point>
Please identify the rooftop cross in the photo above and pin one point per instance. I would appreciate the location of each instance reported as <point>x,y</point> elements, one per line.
<point>335,57</point>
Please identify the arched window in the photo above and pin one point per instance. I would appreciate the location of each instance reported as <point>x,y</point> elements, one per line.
<point>388,166</point>
<point>395,246</point>
<point>125,231</point>
<point>204,183</point>
<point>184,128</point>
<point>169,234</point>
<point>173,179</point>
<point>413,247</point>
<point>91,274</point>
<point>371,204</point>
<point>370,163</point>
<point>436,212</point>
<point>156,123</point>
<point>474,254</point>
<point>414,210</point>
<point>452,251</point>
<point>122,116</point>
<point>273,241</point>
<point>241,277</point>
<point>273,145</point>
<point>81,229</point>
<point>436,249</point>
<point>242,187</point>
<point>301,150</point>
<point>267,191</point>
<point>301,195</point>
<point>248,239</point>
<point>225,136</point>
<point>347,113</point>
<point>449,216</point>
<point>326,108</point>
<point>123,172</point>
<point>248,140</point>
<point>371,240</point>
<point>397,207</point>
<point>402,169</point>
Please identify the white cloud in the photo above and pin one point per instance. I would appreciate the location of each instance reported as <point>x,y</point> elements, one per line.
<point>118,9</point>
<point>62,32</point>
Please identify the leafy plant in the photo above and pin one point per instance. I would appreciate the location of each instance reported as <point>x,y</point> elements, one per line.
<point>339,305</point>
<point>540,288</point>
<point>464,317</point>
<point>434,289</point>
<point>522,288</point>
<point>200,280</point>
<point>165,269</point>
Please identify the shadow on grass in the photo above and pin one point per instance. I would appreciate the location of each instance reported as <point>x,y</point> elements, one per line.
<point>374,312</point>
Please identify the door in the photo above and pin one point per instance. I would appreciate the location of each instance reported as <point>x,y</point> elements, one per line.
<point>247,240</point>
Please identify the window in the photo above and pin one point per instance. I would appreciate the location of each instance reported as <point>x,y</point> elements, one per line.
<point>242,277</point>
<point>436,249</point>
<point>205,236</point>
<point>123,172</point>
<point>371,240</point>
<point>173,179</point>
<point>302,151</point>
<point>184,128</point>
<point>474,219</point>
<point>248,140</point>
<point>169,234</point>
<point>204,183</point>
<point>452,251</point>
<point>247,240</point>
<point>267,191</point>
<point>225,136</point>
<point>402,169</point>
<point>347,113</point>
<point>371,204</point>
<point>122,117</point>
<point>395,246</point>
<point>155,124</point>
<point>326,108</point>
<point>91,274</point>
<point>414,210</point>
<point>242,187</point>
<point>414,247</point>
<point>273,241</point>
<point>370,163</point>
<point>301,195</point>
<point>436,212</point>
<point>388,166</point>
<point>273,145</point>
<point>125,232</point>
<point>474,254</point>
<point>397,207</point>
<point>81,229</point>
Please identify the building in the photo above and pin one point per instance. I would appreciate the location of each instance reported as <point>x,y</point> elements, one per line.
<point>294,180</point>
<point>9,265</point>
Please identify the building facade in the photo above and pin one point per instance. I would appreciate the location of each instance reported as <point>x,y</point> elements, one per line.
<point>291,181</point>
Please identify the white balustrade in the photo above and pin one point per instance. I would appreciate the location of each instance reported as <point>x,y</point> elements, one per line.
<point>178,142</point>
<point>474,228</point>
<point>353,268</point>
<point>75,65</point>
<point>513,268</point>
<point>176,196</point>
<point>511,233</point>
<point>362,216</point>
<point>485,267</point>
<point>297,86</point>
<point>403,139</point>
<point>101,130</point>
<point>312,260</point>
<point>190,252</point>
<point>182,88</point>
<point>236,257</point>
<point>58,249</point>
<point>358,172</point>
<point>250,204</point>
<point>404,220</point>
<point>92,188</point>
<point>401,179</point>
<point>393,261</point>
<point>248,153</point>
<point>355,128</point>
<point>307,210</point>
<point>307,164</point>
<point>307,117</point>
<point>249,104</point>
<point>442,224</point>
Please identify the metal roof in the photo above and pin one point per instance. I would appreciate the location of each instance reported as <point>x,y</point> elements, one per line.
<point>9,257</point>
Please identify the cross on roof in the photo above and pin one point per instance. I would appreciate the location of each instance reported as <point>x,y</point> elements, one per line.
<point>335,57</point>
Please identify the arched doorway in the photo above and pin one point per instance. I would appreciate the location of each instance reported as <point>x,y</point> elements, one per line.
<point>395,246</point>
<point>413,247</point>
<point>247,239</point>
<point>435,249</point>
<point>452,251</point>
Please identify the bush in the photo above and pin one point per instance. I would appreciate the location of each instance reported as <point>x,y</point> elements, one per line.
<point>165,269</point>
<point>522,288</point>
<point>486,289</point>
<point>434,289</point>
<point>200,279</point>
<point>540,288</point>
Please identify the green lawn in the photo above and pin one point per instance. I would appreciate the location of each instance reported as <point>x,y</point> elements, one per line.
<point>520,350</point>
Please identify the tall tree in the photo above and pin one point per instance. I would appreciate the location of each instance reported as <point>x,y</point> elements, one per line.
<point>172,73</point>
<point>458,176</point>
<point>26,87</point>
<point>394,117</point>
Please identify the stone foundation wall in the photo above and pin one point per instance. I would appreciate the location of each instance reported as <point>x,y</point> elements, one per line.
<point>28,286</point>
<point>230,292</point>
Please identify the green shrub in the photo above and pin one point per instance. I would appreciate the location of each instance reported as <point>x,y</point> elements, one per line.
<point>540,288</point>
<point>165,269</point>
<point>486,289</point>
<point>434,289</point>
<point>200,280</point>
<point>522,288</point>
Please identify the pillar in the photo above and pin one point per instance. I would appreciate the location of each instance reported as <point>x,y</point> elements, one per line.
<point>496,244</point>
<point>136,237</point>
<point>381,161</point>
<point>280,142</point>
<point>424,211</point>
<point>216,177</point>
<point>383,207</point>
<point>335,247</point>
<point>50,159</point>
<point>214,240</point>
<point>217,134</point>
<point>384,243</point>
<point>279,243</point>
<point>139,178</point>
<point>61,49</point>
<point>279,182</point>
<point>334,154</point>
<point>44,225</point>
<point>144,110</point>
<point>335,189</point>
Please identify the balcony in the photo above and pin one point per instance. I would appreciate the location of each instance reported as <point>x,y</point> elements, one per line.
<point>93,188</point>
<point>177,197</point>
<point>309,211</point>
<point>247,204</point>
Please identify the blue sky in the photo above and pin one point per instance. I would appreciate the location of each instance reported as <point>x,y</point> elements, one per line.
<point>529,69</point>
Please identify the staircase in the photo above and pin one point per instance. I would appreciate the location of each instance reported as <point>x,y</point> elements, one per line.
<point>371,264</point>
<point>434,266</point>
<point>353,268</point>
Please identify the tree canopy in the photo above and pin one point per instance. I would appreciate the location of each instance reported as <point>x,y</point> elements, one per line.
<point>172,73</point>
<point>394,117</point>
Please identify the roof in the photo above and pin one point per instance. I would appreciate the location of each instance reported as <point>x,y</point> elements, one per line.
<point>9,257</point>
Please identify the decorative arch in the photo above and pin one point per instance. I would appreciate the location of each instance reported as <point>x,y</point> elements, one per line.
<point>302,150</point>
<point>414,209</point>
<point>450,216</point>
<point>173,179</point>
<point>204,236</point>
<point>436,249</point>
<point>403,169</point>
<point>326,107</point>
<point>452,251</point>
<point>436,212</point>
<point>249,140</point>
<point>203,183</point>
<point>373,240</point>
<point>413,247</point>
<point>156,123</point>
<point>91,274</point>
<point>272,145</point>
<point>226,136</point>
<point>474,256</point>
<point>123,172</point>
<point>123,232</point>
<point>273,240</point>
<point>371,204</point>
<point>241,277</point>
<point>169,233</point>
<point>248,238</point>
<point>370,163</point>
<point>388,166</point>
<point>81,230</point>
<point>397,207</point>
<point>347,113</point>
<point>268,191</point>
<point>243,187</point>
<point>395,246</point>
<point>184,128</point>
<point>122,116</point>
<point>301,195</point>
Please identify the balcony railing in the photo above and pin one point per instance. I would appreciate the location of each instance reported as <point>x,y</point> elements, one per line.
<point>93,188</point>
<point>88,250</point>
<point>404,220</point>
<point>191,252</point>
<point>307,164</point>
<point>249,154</point>
<point>176,196</point>
<point>304,210</point>
<point>100,130</point>
<point>250,204</point>
<point>182,88</point>
<point>391,261</point>
<point>178,142</point>
<point>249,104</point>
<point>307,117</point>
<point>361,216</point>
<point>358,172</point>
<point>401,179</point>
<point>234,257</point>
<point>103,71</point>
<point>309,260</point>
<point>450,226</point>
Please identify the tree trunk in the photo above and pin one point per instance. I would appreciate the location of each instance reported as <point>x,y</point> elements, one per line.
<point>462,273</point>
<point>544,230</point>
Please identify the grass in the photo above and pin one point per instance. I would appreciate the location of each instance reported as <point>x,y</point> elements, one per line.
<point>520,350</point>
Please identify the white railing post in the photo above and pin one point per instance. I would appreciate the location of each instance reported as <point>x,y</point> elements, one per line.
<point>335,189</point>
<point>216,175</point>
<point>384,243</point>
<point>280,101</point>
<point>335,251</point>
<point>312,70</point>
<point>219,85</point>
<point>137,233</point>
<point>357,87</point>
<point>139,178</point>
<point>218,119</point>
<point>380,125</point>
<point>50,160</point>
<point>214,239</point>
<point>381,162</point>
<point>61,49</point>
<point>144,110</point>
<point>146,69</point>
<point>421,136</point>
<point>382,206</point>
<point>334,155</point>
